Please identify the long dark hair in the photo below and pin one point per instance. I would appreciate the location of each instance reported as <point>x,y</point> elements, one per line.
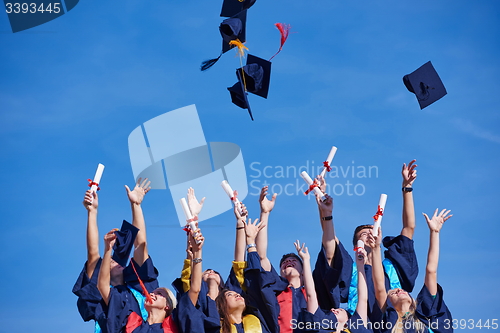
<point>221,304</point>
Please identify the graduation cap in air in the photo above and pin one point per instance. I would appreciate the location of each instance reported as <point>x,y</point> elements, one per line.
<point>233,28</point>
<point>233,7</point>
<point>125,238</point>
<point>425,84</point>
<point>253,78</point>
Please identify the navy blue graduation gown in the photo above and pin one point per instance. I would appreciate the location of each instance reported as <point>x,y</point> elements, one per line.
<point>332,281</point>
<point>113,317</point>
<point>88,294</point>
<point>432,311</point>
<point>191,318</point>
<point>401,252</point>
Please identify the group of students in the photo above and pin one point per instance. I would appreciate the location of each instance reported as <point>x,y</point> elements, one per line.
<point>338,294</point>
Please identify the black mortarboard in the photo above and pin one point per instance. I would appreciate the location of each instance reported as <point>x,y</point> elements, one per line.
<point>233,28</point>
<point>233,7</point>
<point>125,238</point>
<point>425,84</point>
<point>230,29</point>
<point>239,96</point>
<point>257,75</point>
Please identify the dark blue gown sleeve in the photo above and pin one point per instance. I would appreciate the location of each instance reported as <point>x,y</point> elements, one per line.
<point>433,311</point>
<point>332,281</point>
<point>191,319</point>
<point>88,294</point>
<point>401,252</point>
<point>262,287</point>
<point>147,272</point>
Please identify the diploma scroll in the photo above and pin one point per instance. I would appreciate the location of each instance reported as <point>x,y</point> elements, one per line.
<point>190,220</point>
<point>380,212</point>
<point>312,186</point>
<point>230,193</point>
<point>94,185</point>
<point>328,161</point>
<point>360,245</point>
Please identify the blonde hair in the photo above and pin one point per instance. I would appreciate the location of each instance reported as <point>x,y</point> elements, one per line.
<point>171,300</point>
<point>409,320</point>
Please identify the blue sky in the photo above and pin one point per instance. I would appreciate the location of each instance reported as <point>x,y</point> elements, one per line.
<point>73,89</point>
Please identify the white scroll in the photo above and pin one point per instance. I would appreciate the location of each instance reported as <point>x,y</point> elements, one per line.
<point>230,193</point>
<point>97,179</point>
<point>190,220</point>
<point>329,160</point>
<point>380,212</point>
<point>310,182</point>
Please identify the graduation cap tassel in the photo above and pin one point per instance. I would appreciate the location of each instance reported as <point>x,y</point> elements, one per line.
<point>209,63</point>
<point>284,30</point>
<point>241,53</point>
<point>144,290</point>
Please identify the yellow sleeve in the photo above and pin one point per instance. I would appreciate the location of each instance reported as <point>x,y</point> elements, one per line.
<point>238,268</point>
<point>186,275</point>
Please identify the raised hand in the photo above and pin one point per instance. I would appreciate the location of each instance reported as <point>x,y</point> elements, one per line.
<point>110,239</point>
<point>141,188</point>
<point>240,216</point>
<point>252,229</point>
<point>91,201</point>
<point>436,222</point>
<point>193,203</point>
<point>196,242</point>
<point>325,207</point>
<point>302,251</point>
<point>409,173</point>
<point>266,206</point>
<point>321,183</point>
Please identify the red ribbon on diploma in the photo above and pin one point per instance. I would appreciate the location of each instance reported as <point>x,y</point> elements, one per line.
<point>91,182</point>
<point>327,166</point>
<point>235,195</point>
<point>379,212</point>
<point>311,187</point>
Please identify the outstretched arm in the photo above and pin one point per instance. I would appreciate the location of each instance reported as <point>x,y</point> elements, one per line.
<point>266,206</point>
<point>377,269</point>
<point>196,274</point>
<point>104,279</point>
<point>135,197</point>
<point>312,299</point>
<point>362,306</point>
<point>409,174</point>
<point>326,219</point>
<point>240,242</point>
<point>91,202</point>
<point>435,224</point>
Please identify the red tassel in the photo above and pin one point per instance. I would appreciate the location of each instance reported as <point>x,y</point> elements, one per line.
<point>144,290</point>
<point>284,31</point>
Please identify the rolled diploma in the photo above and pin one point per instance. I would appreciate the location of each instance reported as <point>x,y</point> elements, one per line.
<point>329,159</point>
<point>189,217</point>
<point>309,182</point>
<point>360,244</point>
<point>97,178</point>
<point>230,193</point>
<point>381,203</point>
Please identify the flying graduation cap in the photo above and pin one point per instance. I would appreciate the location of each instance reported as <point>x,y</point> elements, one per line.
<point>233,28</point>
<point>233,7</point>
<point>125,238</point>
<point>253,78</point>
<point>425,84</point>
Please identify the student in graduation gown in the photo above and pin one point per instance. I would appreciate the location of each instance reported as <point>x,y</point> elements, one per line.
<point>236,314</point>
<point>212,282</point>
<point>86,285</point>
<point>400,263</point>
<point>119,284</point>
<point>428,313</point>
<point>289,298</point>
<point>314,319</point>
